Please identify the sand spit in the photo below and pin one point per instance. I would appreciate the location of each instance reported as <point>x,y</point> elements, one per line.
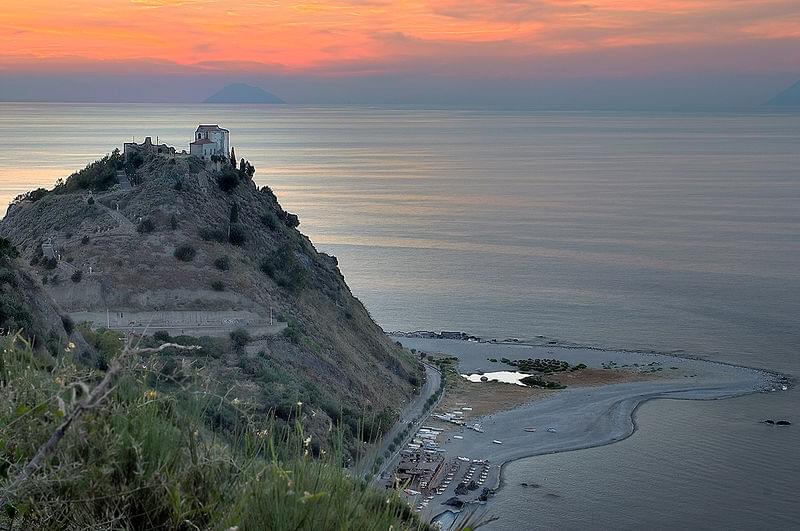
<point>579,417</point>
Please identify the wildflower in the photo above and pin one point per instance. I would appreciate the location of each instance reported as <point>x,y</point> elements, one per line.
<point>71,345</point>
<point>307,441</point>
<point>150,395</point>
<point>299,404</point>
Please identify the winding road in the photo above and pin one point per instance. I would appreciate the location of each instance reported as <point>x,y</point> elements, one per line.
<point>414,410</point>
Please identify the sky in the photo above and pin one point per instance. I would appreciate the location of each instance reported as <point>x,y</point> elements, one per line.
<point>556,51</point>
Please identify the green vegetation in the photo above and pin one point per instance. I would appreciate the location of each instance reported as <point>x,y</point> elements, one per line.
<point>223,263</point>
<point>270,220</point>
<point>218,285</point>
<point>239,338</point>
<point>546,366</point>
<point>536,381</point>
<point>162,453</point>
<point>145,225</point>
<point>228,179</point>
<point>77,275</point>
<point>213,235</point>
<point>97,176</point>
<point>32,196</point>
<point>285,269</point>
<point>237,234</point>
<point>185,253</point>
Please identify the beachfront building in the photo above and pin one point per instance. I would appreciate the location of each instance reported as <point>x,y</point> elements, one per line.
<point>419,469</point>
<point>147,148</point>
<point>210,140</point>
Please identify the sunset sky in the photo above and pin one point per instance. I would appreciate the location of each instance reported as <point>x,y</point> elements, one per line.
<point>438,42</point>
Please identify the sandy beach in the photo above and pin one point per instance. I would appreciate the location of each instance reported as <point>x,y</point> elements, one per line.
<point>579,416</point>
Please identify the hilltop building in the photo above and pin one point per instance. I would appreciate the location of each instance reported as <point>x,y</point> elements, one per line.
<point>210,140</point>
<point>147,147</point>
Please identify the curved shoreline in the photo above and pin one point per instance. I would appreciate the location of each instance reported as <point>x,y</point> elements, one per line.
<point>587,417</point>
<point>631,432</point>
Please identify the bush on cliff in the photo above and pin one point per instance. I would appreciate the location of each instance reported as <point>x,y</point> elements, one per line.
<point>185,253</point>
<point>97,176</point>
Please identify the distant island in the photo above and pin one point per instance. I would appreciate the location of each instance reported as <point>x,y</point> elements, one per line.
<point>242,93</point>
<point>788,98</point>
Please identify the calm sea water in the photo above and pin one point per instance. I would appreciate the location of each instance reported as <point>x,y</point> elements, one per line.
<point>674,232</point>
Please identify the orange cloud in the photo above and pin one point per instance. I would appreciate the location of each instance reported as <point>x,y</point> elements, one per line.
<point>316,36</point>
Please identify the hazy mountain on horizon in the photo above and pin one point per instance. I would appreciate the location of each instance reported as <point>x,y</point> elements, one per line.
<point>788,98</point>
<point>242,93</point>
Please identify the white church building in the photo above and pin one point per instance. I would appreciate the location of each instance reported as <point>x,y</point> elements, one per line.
<point>210,140</point>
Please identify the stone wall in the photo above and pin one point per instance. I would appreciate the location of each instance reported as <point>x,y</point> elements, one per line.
<point>177,322</point>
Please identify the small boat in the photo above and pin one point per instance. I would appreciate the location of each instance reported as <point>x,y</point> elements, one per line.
<point>529,429</point>
<point>457,437</point>
<point>463,458</point>
<point>497,442</point>
<point>552,429</point>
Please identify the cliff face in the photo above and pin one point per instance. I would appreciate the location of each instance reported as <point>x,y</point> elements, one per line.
<point>193,238</point>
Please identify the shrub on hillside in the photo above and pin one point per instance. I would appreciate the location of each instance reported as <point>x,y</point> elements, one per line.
<point>240,337</point>
<point>185,253</point>
<point>218,285</point>
<point>145,225</point>
<point>291,220</point>
<point>228,179</point>
<point>285,269</point>
<point>133,161</point>
<point>213,235</point>
<point>223,263</point>
<point>32,196</point>
<point>237,234</point>
<point>97,176</point>
<point>270,220</point>
<point>77,276</point>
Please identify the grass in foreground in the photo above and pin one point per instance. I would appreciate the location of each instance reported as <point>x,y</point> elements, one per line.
<point>158,459</point>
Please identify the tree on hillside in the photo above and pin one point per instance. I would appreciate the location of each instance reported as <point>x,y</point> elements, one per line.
<point>233,157</point>
<point>234,216</point>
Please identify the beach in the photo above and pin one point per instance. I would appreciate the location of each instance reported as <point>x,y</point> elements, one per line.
<point>577,417</point>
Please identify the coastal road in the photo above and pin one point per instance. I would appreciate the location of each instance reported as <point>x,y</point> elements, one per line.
<point>412,411</point>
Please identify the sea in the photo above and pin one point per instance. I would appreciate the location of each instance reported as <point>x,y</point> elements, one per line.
<point>673,232</point>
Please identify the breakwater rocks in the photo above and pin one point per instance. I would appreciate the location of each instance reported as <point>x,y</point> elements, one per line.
<point>777,422</point>
<point>427,334</point>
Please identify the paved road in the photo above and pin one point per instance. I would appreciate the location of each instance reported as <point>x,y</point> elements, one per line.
<point>414,410</point>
